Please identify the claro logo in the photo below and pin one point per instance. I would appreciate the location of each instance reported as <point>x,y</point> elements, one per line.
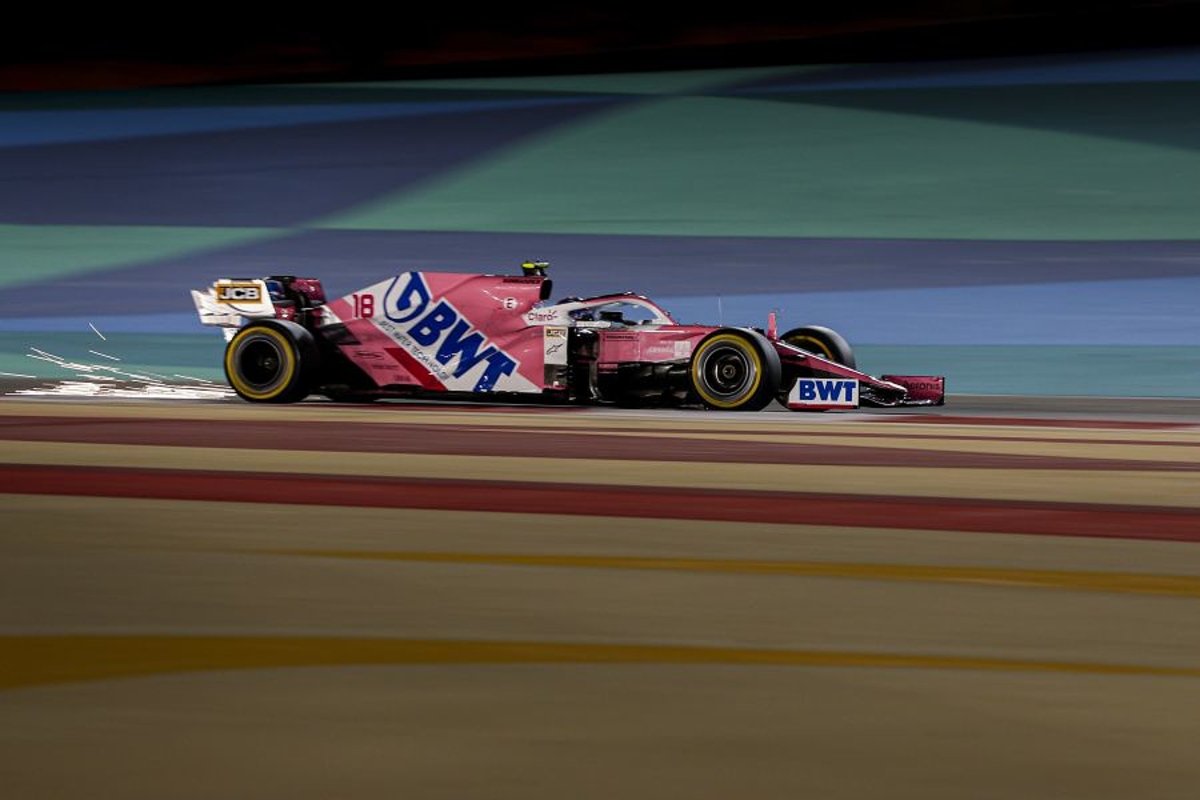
<point>438,328</point>
<point>239,293</point>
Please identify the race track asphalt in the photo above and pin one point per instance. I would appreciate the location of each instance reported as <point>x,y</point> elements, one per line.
<point>215,599</point>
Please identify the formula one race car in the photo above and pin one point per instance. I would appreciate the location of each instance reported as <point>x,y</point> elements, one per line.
<point>452,334</point>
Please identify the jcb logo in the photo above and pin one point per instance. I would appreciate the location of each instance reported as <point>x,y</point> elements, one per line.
<point>239,293</point>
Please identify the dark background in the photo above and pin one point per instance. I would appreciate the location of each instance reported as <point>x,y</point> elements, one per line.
<point>183,44</point>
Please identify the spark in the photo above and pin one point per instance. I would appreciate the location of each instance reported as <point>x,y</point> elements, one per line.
<point>45,358</point>
<point>110,381</point>
<point>97,332</point>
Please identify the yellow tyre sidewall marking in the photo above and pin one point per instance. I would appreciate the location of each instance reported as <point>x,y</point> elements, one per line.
<point>749,348</point>
<point>287,353</point>
<point>820,348</point>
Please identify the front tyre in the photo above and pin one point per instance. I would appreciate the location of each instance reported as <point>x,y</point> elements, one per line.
<point>821,341</point>
<point>735,370</point>
<point>272,361</point>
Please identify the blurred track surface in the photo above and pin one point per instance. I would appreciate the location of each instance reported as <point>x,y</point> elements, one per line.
<point>215,599</point>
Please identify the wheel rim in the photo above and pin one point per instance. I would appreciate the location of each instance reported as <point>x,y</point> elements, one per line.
<point>263,365</point>
<point>727,371</point>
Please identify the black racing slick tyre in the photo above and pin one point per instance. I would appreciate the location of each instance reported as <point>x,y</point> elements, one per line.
<point>735,370</point>
<point>823,342</point>
<point>271,361</point>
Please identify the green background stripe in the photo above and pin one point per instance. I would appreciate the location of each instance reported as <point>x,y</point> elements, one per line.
<point>40,253</point>
<point>741,167</point>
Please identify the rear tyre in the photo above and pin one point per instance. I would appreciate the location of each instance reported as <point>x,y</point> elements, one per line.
<point>735,370</point>
<point>272,361</point>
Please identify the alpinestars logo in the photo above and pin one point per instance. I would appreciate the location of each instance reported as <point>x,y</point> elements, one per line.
<point>439,336</point>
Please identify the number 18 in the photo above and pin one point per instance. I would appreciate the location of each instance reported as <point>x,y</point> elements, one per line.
<point>364,305</point>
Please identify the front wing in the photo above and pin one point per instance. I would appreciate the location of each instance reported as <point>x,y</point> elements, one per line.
<point>815,383</point>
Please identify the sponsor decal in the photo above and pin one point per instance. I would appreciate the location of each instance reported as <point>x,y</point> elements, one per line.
<point>921,387</point>
<point>931,386</point>
<point>824,393</point>
<point>440,338</point>
<point>668,350</point>
<point>238,293</point>
<point>538,315</point>
<point>555,344</point>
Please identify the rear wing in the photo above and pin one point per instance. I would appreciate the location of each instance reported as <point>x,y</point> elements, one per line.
<point>228,303</point>
<point>232,302</point>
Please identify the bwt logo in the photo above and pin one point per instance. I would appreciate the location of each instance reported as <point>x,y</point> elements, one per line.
<point>441,329</point>
<point>825,393</point>
<point>239,293</point>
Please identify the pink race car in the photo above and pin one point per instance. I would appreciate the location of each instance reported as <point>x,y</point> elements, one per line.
<point>452,335</point>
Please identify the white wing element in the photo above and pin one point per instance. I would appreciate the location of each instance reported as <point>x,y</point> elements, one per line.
<point>228,303</point>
